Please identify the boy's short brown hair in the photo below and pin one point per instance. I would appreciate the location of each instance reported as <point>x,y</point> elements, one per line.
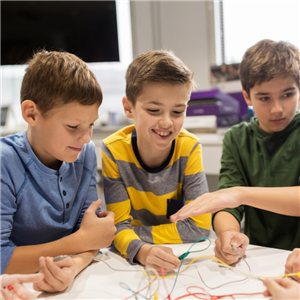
<point>159,66</point>
<point>267,60</point>
<point>56,78</point>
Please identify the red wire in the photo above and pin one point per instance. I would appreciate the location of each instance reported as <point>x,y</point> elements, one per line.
<point>163,278</point>
<point>11,288</point>
<point>139,290</point>
<point>213,297</point>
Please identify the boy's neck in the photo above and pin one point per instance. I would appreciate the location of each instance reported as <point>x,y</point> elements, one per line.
<point>153,158</point>
<point>53,164</point>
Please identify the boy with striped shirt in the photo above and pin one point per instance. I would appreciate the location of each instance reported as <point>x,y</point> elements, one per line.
<point>154,167</point>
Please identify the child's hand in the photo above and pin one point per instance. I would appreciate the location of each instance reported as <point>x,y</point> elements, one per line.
<point>18,289</point>
<point>57,275</point>
<point>19,292</point>
<point>208,203</point>
<point>293,263</point>
<point>158,257</point>
<point>97,231</point>
<point>282,288</point>
<point>223,249</point>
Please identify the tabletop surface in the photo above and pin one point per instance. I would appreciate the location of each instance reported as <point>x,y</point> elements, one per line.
<point>115,278</point>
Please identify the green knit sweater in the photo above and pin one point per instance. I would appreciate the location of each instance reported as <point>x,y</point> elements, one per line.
<point>252,157</point>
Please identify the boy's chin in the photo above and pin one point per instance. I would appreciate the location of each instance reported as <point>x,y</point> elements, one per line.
<point>71,160</point>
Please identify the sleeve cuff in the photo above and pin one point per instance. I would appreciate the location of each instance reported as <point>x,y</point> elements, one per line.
<point>133,249</point>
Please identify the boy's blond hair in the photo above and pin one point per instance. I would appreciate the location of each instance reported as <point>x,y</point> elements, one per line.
<point>56,78</point>
<point>267,60</point>
<point>159,66</point>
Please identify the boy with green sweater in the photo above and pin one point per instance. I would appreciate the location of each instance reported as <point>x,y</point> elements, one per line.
<point>264,152</point>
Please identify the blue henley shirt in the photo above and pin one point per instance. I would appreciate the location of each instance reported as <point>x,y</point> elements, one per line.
<point>39,204</point>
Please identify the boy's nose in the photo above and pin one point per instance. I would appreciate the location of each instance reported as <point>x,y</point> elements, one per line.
<point>277,107</point>
<point>165,121</point>
<point>86,137</point>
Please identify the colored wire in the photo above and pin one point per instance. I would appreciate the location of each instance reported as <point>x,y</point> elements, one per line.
<point>11,288</point>
<point>230,282</point>
<point>183,256</point>
<point>236,250</point>
<point>212,297</point>
<point>216,287</point>
<point>147,275</point>
<point>249,275</point>
<point>134,294</point>
<point>126,287</point>
<point>163,277</point>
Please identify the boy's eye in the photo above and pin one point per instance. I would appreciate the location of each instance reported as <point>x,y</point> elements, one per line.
<point>287,95</point>
<point>153,111</point>
<point>178,112</point>
<point>73,127</point>
<point>264,98</point>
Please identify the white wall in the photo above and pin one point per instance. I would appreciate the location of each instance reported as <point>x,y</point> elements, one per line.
<point>181,26</point>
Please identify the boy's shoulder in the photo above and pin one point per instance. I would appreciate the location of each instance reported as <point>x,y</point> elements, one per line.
<point>14,154</point>
<point>187,135</point>
<point>121,136</point>
<point>11,145</point>
<point>187,138</point>
<point>241,128</point>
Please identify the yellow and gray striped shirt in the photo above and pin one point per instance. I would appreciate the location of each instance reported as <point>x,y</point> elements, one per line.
<point>144,197</point>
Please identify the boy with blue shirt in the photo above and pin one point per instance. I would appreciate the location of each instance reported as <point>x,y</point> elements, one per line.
<point>154,167</point>
<point>48,174</point>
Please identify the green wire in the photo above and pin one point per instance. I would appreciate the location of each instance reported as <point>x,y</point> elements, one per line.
<point>181,257</point>
<point>184,255</point>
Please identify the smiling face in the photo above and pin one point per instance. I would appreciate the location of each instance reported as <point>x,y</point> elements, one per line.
<point>158,116</point>
<point>61,134</point>
<point>274,102</point>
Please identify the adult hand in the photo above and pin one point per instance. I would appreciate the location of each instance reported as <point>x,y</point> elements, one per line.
<point>158,257</point>
<point>98,231</point>
<point>223,249</point>
<point>16,281</point>
<point>57,275</point>
<point>293,263</point>
<point>282,288</point>
<point>209,203</point>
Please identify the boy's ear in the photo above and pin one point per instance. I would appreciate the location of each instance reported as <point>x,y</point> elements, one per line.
<point>247,98</point>
<point>29,112</point>
<point>127,105</point>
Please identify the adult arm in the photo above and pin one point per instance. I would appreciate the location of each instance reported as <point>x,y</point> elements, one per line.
<point>281,200</point>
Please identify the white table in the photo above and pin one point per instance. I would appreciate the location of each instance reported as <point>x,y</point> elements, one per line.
<point>99,281</point>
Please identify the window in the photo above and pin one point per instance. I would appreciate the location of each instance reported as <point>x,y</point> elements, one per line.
<point>241,24</point>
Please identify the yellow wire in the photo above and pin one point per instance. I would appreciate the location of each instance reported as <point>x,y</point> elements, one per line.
<point>223,263</point>
<point>286,275</point>
<point>145,274</point>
